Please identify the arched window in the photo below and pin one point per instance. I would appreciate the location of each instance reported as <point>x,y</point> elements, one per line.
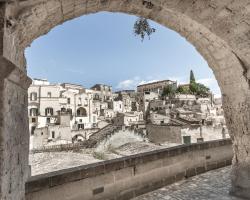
<point>81,112</point>
<point>33,112</point>
<point>48,111</point>
<point>33,96</point>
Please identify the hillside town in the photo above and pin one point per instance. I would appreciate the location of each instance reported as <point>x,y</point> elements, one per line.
<point>164,112</point>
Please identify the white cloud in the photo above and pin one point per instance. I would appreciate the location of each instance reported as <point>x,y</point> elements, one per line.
<point>180,80</point>
<point>132,83</point>
<point>145,82</point>
<point>207,81</point>
<point>126,84</point>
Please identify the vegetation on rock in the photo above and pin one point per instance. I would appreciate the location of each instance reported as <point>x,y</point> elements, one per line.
<point>197,89</point>
<point>193,87</point>
<point>168,91</point>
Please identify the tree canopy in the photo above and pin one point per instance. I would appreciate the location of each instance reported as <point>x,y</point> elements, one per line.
<point>194,88</point>
<point>197,88</point>
<point>192,78</point>
<point>169,91</point>
<point>183,90</point>
<point>143,28</point>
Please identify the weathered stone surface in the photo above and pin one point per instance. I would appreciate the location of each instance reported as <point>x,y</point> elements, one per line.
<point>210,186</point>
<point>14,137</point>
<point>130,176</point>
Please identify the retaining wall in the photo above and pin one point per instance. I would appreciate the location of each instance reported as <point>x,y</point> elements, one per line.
<point>130,176</point>
<point>164,133</point>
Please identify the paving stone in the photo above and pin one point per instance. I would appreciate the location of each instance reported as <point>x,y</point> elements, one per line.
<point>213,185</point>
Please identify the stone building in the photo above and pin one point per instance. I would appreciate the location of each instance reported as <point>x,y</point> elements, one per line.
<point>48,106</point>
<point>126,101</point>
<point>47,101</point>
<point>118,106</point>
<point>102,92</point>
<point>156,118</point>
<point>44,103</point>
<point>128,119</point>
<point>156,87</point>
<point>144,100</point>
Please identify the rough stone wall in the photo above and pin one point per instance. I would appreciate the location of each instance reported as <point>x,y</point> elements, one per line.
<point>160,134</point>
<point>219,29</point>
<point>14,135</point>
<point>127,177</point>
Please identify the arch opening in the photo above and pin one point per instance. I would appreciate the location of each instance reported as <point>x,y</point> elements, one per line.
<point>222,54</point>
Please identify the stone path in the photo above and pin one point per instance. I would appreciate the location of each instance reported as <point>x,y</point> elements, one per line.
<point>213,185</point>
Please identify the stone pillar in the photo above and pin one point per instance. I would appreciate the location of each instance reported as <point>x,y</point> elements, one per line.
<point>238,121</point>
<point>14,132</point>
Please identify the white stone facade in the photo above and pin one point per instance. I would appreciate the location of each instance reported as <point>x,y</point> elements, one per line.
<point>128,119</point>
<point>48,102</point>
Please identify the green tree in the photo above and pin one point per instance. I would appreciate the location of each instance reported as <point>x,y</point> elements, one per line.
<point>199,89</point>
<point>169,91</point>
<point>192,78</point>
<point>143,28</point>
<point>183,90</point>
<point>202,90</point>
<point>193,87</point>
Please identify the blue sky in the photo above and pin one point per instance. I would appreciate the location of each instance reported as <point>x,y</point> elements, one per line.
<point>101,48</point>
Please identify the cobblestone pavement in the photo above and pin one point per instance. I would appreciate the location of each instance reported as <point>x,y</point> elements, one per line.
<point>211,185</point>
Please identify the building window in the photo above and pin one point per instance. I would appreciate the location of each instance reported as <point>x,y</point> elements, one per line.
<point>49,94</point>
<point>68,100</point>
<point>80,126</point>
<point>96,97</point>
<point>48,120</point>
<point>48,111</point>
<point>79,101</point>
<point>53,134</point>
<point>33,96</point>
<point>41,133</point>
<point>32,130</point>
<point>33,112</point>
<point>33,120</point>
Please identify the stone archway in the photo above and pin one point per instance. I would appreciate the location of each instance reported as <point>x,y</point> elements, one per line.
<point>220,31</point>
<point>81,112</point>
